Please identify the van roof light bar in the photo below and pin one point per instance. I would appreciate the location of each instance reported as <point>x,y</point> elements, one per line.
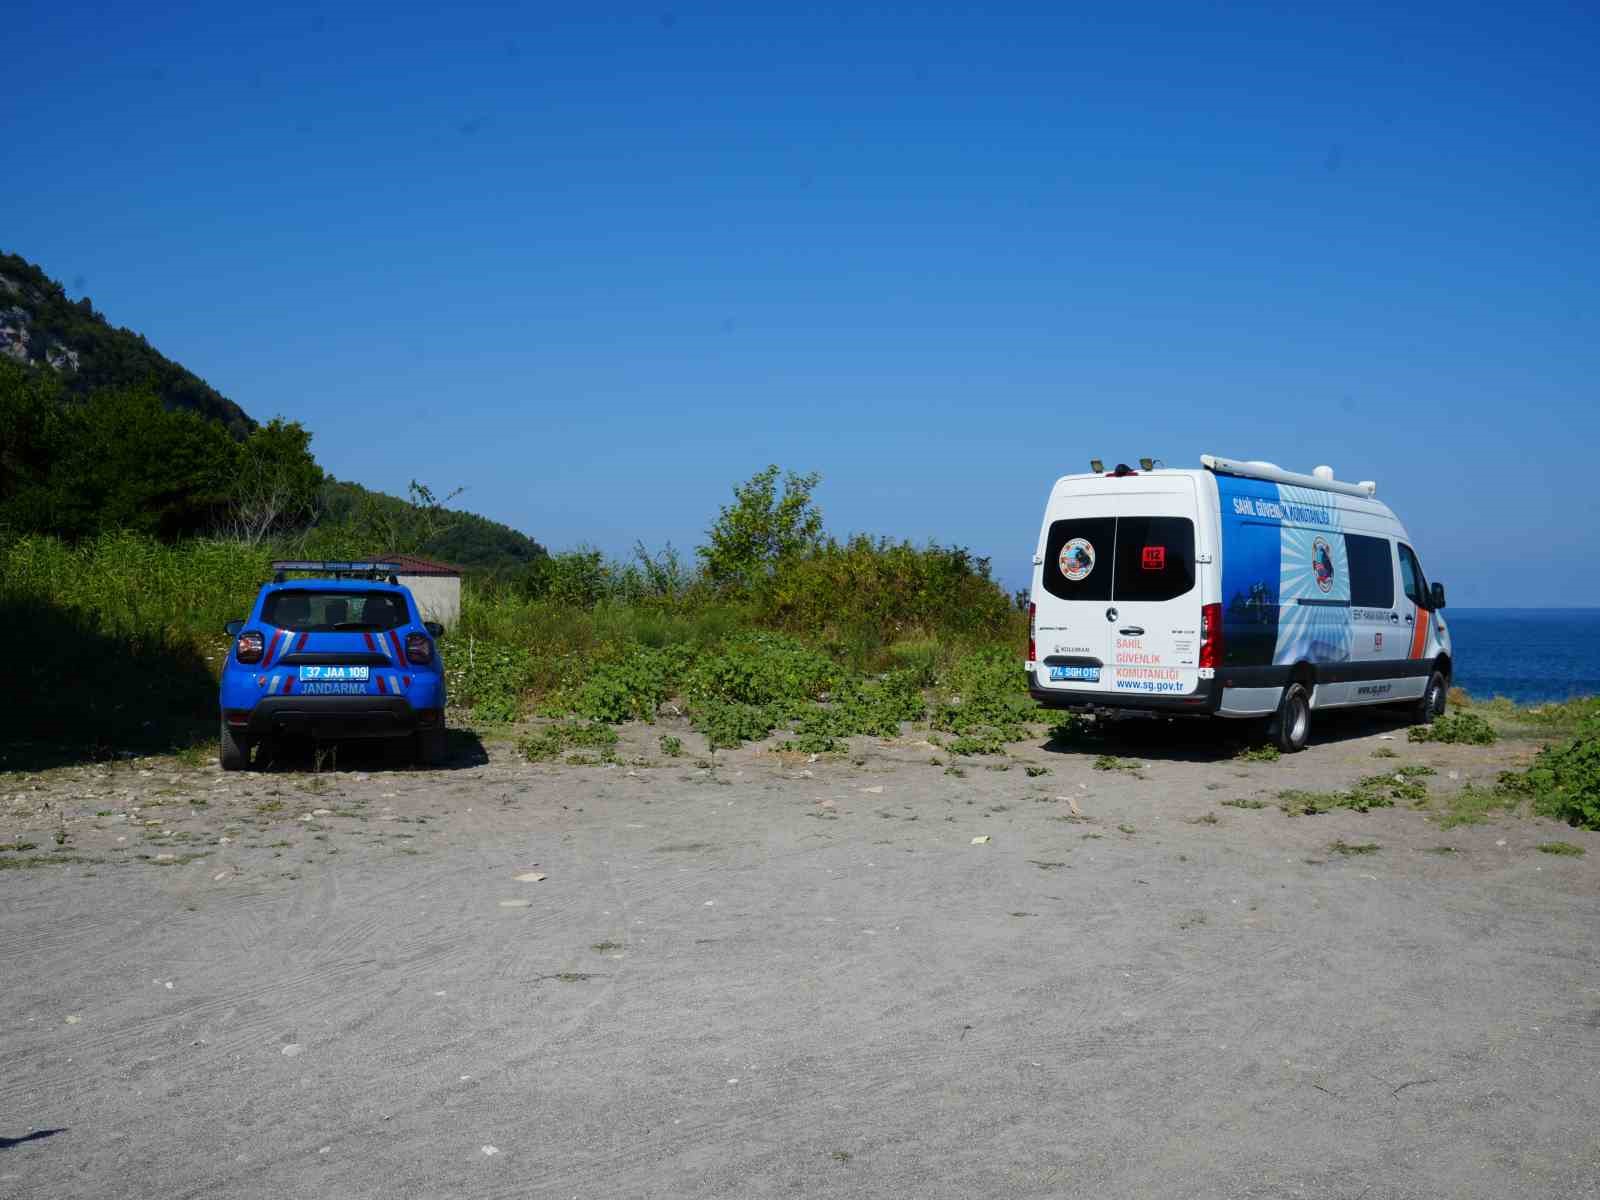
<point>1366,489</point>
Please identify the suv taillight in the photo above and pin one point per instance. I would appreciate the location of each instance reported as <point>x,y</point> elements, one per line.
<point>249,647</point>
<point>1033,616</point>
<point>418,648</point>
<point>1211,635</point>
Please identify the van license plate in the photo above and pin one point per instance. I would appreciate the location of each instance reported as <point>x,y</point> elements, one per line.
<point>1080,674</point>
<point>333,674</point>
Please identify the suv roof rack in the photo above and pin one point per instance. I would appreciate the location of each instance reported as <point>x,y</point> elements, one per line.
<point>385,571</point>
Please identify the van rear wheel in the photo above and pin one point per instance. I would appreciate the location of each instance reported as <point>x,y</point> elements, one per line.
<point>1291,728</point>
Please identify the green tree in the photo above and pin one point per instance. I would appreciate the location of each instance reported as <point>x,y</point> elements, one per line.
<point>130,464</point>
<point>760,528</point>
<point>115,460</point>
<point>276,483</point>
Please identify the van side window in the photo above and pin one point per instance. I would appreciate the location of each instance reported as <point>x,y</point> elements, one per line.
<point>1411,577</point>
<point>1078,557</point>
<point>1371,571</point>
<point>1155,558</point>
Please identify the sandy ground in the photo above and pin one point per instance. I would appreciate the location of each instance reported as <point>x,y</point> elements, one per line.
<point>792,978</point>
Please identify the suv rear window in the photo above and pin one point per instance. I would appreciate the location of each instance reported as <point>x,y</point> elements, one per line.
<point>328,611</point>
<point>1119,558</point>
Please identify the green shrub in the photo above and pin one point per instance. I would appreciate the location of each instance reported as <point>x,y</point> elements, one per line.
<point>633,687</point>
<point>985,741</point>
<point>554,740</point>
<point>984,700</point>
<point>728,724</point>
<point>1467,728</point>
<point>671,746</point>
<point>763,668</point>
<point>1563,848</point>
<point>1564,780</point>
<point>487,677</point>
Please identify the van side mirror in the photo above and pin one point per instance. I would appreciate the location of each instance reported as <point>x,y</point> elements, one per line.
<point>434,628</point>
<point>233,628</point>
<point>1438,596</point>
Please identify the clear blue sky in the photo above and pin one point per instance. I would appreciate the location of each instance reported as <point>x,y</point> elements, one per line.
<point>597,262</point>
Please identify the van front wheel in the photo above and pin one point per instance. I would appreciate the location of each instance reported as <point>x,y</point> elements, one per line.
<point>1291,728</point>
<point>1431,706</point>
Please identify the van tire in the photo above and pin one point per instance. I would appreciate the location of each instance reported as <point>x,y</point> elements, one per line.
<point>1434,697</point>
<point>234,754</point>
<point>1291,728</point>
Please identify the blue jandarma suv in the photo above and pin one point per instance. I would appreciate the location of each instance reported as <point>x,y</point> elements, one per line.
<point>341,654</point>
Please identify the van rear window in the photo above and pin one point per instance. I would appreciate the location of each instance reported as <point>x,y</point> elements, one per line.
<point>318,611</point>
<point>1119,558</point>
<point>1155,558</point>
<point>1077,558</point>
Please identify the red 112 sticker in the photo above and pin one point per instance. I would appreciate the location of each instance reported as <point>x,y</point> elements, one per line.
<point>1155,558</point>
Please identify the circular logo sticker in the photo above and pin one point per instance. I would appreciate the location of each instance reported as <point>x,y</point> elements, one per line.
<point>1077,560</point>
<point>1322,564</point>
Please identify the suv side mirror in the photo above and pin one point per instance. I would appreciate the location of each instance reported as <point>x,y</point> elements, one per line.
<point>434,628</point>
<point>1438,596</point>
<point>233,628</point>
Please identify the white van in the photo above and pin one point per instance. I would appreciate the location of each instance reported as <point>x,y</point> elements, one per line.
<point>1237,590</point>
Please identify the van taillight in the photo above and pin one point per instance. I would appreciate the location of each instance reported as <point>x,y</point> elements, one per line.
<point>1033,615</point>
<point>1211,635</point>
<point>419,649</point>
<point>249,647</point>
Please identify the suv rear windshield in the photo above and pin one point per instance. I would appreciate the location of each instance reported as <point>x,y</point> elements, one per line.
<point>1119,558</point>
<point>328,611</point>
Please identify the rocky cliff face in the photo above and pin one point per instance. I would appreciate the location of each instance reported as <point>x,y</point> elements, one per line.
<point>41,327</point>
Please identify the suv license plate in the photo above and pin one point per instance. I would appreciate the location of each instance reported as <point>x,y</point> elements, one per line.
<point>334,674</point>
<point>1080,674</point>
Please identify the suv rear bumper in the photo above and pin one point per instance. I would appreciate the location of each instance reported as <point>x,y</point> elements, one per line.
<point>1203,701</point>
<point>336,718</point>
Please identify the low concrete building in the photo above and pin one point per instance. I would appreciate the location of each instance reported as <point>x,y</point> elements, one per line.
<point>436,586</point>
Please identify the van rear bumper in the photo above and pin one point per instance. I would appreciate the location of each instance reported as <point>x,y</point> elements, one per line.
<point>1203,701</point>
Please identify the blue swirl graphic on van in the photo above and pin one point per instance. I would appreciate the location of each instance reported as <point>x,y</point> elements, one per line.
<point>1285,579</point>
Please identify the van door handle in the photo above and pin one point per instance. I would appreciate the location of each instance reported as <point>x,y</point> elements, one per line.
<point>1132,631</point>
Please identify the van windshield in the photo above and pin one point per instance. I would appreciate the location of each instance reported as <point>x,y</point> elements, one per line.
<point>1119,558</point>
<point>318,611</point>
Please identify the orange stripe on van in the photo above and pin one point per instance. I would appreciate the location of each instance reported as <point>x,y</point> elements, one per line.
<point>1419,636</point>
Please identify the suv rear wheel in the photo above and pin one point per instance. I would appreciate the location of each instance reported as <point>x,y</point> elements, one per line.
<point>430,747</point>
<point>235,752</point>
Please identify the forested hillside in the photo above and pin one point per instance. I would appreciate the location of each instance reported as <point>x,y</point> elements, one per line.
<point>42,329</point>
<point>100,433</point>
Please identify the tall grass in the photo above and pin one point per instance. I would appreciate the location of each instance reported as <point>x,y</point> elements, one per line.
<point>100,623</point>
<point>127,585</point>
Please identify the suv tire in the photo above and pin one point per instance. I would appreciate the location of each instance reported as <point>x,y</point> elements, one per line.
<point>430,747</point>
<point>1291,728</point>
<point>235,752</point>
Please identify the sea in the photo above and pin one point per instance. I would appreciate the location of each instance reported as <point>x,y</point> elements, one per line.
<point>1529,655</point>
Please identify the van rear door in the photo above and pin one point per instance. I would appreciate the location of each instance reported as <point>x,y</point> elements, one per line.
<point>1118,587</point>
